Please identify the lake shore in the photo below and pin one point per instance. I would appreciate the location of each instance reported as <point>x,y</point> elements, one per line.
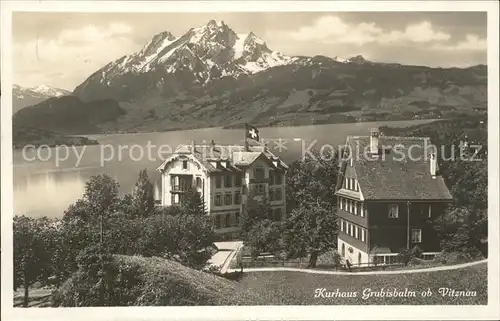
<point>34,137</point>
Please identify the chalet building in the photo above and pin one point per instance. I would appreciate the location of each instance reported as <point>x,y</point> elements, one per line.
<point>225,176</point>
<point>389,193</point>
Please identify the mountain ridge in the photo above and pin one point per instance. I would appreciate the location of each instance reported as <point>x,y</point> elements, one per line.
<point>214,76</point>
<point>27,96</point>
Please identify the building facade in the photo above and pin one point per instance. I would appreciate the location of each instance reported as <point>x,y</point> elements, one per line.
<point>389,194</point>
<point>225,177</point>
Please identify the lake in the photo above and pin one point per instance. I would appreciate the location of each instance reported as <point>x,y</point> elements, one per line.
<point>44,186</point>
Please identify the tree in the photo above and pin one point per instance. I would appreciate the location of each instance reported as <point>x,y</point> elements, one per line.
<point>259,231</point>
<point>193,202</point>
<point>82,222</point>
<point>143,195</point>
<point>101,197</point>
<point>311,229</point>
<point>193,237</point>
<point>255,211</point>
<point>311,178</point>
<point>462,230</point>
<point>171,210</point>
<point>33,246</point>
<point>264,236</point>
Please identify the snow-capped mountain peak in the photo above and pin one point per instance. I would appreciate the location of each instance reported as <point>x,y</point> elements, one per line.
<point>23,96</point>
<point>43,91</point>
<point>209,51</point>
<point>49,91</point>
<point>355,60</point>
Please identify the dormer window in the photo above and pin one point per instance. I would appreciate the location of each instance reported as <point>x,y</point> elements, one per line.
<point>184,164</point>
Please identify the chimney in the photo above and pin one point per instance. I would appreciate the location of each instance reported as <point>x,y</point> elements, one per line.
<point>433,165</point>
<point>374,133</point>
<point>193,147</point>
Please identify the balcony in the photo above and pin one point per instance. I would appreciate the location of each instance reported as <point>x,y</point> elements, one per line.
<point>181,183</point>
<point>179,189</point>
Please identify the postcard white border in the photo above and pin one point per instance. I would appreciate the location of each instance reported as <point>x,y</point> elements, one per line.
<point>490,311</point>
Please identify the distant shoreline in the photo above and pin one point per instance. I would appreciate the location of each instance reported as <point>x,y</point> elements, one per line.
<point>27,136</point>
<point>260,126</point>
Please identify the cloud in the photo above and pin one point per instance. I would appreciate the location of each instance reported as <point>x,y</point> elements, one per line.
<point>332,29</point>
<point>71,54</point>
<point>470,43</point>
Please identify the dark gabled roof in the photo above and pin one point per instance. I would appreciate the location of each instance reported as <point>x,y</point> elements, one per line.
<point>235,155</point>
<point>394,175</point>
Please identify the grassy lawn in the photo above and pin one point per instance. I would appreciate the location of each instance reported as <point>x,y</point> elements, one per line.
<point>296,288</point>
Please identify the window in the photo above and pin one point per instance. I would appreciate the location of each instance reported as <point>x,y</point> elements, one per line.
<point>259,189</point>
<point>236,219</point>
<point>356,208</point>
<point>228,181</point>
<point>198,182</point>
<point>416,236</point>
<point>430,211</point>
<point>237,197</point>
<point>345,183</point>
<point>184,165</point>
<point>218,181</point>
<point>356,185</point>
<point>237,180</point>
<point>228,199</point>
<point>271,194</point>
<point>277,214</point>
<point>258,172</point>
<point>217,222</point>
<point>348,183</point>
<point>361,210</point>
<point>218,199</point>
<point>393,211</point>
<point>228,220</point>
<point>350,206</point>
<point>363,235</point>
<point>356,230</point>
<point>342,225</point>
<point>341,203</point>
<point>278,178</point>
<point>278,196</point>
<point>271,177</point>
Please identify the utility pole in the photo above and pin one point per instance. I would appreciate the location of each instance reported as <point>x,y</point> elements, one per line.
<point>408,225</point>
<point>101,241</point>
<point>245,137</point>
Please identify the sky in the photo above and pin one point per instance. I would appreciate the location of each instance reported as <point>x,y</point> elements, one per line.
<point>63,49</point>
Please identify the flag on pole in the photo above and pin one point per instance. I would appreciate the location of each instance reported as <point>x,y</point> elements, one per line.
<point>252,132</point>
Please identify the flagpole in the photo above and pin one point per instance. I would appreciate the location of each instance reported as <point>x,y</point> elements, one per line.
<point>246,134</point>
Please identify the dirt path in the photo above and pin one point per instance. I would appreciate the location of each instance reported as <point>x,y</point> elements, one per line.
<point>423,270</point>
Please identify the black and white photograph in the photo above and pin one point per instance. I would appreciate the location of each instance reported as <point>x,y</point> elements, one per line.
<point>289,160</point>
